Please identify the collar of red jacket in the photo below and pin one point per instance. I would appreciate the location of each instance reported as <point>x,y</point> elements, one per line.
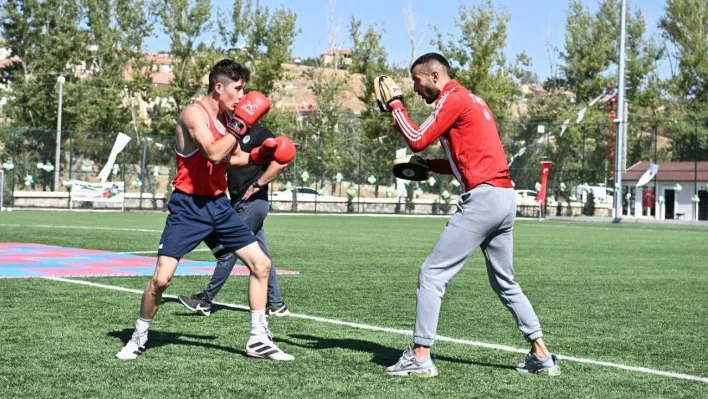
<point>449,85</point>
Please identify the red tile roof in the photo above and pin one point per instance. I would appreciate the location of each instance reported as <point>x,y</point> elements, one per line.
<point>537,89</point>
<point>158,59</point>
<point>345,51</point>
<point>9,61</point>
<point>162,78</point>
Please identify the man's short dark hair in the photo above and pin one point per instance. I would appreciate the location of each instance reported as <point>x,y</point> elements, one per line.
<point>432,57</point>
<point>227,69</point>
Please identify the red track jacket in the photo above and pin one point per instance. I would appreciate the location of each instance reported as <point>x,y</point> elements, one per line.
<point>467,131</point>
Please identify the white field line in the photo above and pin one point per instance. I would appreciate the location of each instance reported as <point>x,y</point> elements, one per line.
<point>541,224</point>
<point>369,327</point>
<point>52,226</point>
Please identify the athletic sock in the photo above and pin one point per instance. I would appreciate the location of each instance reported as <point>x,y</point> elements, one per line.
<point>259,324</point>
<point>142,325</point>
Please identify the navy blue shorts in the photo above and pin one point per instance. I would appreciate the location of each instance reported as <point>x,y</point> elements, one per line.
<point>193,218</point>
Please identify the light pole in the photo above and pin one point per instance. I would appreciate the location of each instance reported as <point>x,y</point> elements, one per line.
<point>621,117</point>
<point>57,154</point>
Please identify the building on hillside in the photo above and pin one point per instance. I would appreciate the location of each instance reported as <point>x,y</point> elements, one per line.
<point>303,111</point>
<point>673,191</point>
<point>343,57</point>
<point>533,89</point>
<point>159,62</point>
<point>158,65</point>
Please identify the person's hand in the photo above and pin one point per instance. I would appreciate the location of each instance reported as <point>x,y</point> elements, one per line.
<point>251,190</point>
<point>387,91</point>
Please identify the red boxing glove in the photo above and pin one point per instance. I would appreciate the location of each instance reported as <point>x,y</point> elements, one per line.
<point>285,152</point>
<point>264,153</point>
<point>248,111</point>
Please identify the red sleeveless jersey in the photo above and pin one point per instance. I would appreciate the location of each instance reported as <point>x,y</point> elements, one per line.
<point>196,175</point>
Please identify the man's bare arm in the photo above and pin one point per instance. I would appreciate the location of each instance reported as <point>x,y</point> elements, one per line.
<point>239,158</point>
<point>271,173</point>
<point>195,123</point>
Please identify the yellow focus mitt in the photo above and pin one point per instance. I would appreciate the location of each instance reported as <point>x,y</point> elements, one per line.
<point>386,90</point>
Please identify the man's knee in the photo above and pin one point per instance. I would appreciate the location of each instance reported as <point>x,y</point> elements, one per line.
<point>261,267</point>
<point>160,283</point>
<point>504,285</point>
<point>430,281</point>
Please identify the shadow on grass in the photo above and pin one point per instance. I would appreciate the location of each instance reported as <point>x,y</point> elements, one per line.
<point>381,355</point>
<point>157,339</point>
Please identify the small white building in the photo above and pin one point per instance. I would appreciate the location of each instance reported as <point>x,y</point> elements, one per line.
<point>676,185</point>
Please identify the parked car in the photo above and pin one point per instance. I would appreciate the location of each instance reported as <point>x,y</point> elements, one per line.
<point>602,194</point>
<point>527,199</point>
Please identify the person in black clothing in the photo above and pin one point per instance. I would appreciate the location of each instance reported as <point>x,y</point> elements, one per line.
<point>248,189</point>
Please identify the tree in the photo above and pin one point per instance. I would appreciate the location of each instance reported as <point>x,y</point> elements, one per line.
<point>183,21</point>
<point>411,22</point>
<point>114,75</point>
<point>43,35</point>
<point>642,56</point>
<point>592,52</point>
<point>643,87</point>
<point>686,26</point>
<point>104,100</point>
<point>267,40</point>
<point>478,55</point>
<point>590,60</point>
<point>332,151</point>
<point>590,48</point>
<point>527,77</point>
<point>554,83</point>
<point>369,60</point>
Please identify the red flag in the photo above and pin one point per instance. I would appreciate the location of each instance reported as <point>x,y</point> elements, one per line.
<point>545,170</point>
<point>648,197</point>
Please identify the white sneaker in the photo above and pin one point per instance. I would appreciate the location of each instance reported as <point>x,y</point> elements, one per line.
<point>410,366</point>
<point>262,347</point>
<point>535,365</point>
<point>134,347</point>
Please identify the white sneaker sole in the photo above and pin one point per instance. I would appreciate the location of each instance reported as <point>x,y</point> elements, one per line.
<point>429,373</point>
<point>127,356</point>
<point>552,372</point>
<point>282,356</point>
<point>266,349</point>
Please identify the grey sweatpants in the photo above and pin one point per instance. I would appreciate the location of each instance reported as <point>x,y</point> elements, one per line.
<point>484,218</point>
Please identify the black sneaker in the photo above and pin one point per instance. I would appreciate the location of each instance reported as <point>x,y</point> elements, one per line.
<point>197,303</point>
<point>277,311</point>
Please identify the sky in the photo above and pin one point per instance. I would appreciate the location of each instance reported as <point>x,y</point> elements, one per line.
<point>532,25</point>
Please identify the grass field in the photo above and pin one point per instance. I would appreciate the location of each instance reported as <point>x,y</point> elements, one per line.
<point>629,295</point>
